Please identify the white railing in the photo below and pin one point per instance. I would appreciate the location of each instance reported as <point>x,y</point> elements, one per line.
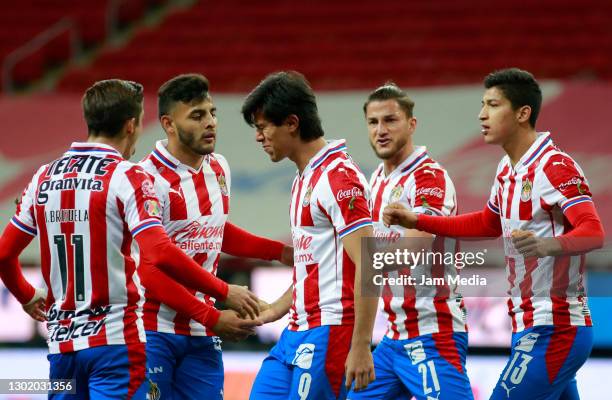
<point>34,45</point>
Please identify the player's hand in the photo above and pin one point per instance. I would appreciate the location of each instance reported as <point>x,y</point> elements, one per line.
<point>287,256</point>
<point>263,306</point>
<point>397,214</point>
<point>233,328</point>
<point>529,245</point>
<point>270,312</point>
<point>243,301</point>
<point>36,306</point>
<point>359,367</point>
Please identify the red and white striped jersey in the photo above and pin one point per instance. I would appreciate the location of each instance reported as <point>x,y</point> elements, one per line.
<point>194,209</point>
<point>534,195</point>
<point>85,207</point>
<point>329,200</point>
<point>420,184</point>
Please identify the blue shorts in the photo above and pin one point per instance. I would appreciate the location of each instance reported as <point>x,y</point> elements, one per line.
<point>185,367</point>
<point>543,363</point>
<point>306,365</point>
<point>428,367</point>
<point>103,372</point>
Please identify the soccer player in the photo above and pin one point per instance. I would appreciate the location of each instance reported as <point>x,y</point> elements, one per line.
<point>329,215</point>
<point>193,186</point>
<point>423,352</point>
<point>87,208</point>
<point>541,203</point>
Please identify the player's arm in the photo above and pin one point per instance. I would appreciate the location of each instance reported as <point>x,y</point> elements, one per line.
<point>481,224</point>
<point>562,184</point>
<point>587,234</point>
<point>238,242</point>
<point>359,363</point>
<point>142,214</point>
<point>162,288</point>
<point>279,308</point>
<point>12,243</point>
<point>157,249</point>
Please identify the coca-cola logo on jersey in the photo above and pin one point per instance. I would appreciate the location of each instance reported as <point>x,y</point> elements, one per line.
<point>574,181</point>
<point>430,191</point>
<point>386,235</point>
<point>348,193</point>
<point>196,230</point>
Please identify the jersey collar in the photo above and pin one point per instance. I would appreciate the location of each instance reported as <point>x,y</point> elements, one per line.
<point>162,154</point>
<point>542,141</point>
<point>332,147</point>
<point>92,147</point>
<point>416,158</point>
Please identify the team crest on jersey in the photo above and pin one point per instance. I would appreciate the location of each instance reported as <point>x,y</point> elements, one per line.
<point>307,196</point>
<point>152,208</point>
<point>396,193</point>
<point>526,190</point>
<point>154,392</point>
<point>222,184</point>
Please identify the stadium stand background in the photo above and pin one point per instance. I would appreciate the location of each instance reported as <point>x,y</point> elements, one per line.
<point>52,50</point>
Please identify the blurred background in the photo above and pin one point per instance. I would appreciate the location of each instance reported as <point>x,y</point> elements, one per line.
<point>52,50</point>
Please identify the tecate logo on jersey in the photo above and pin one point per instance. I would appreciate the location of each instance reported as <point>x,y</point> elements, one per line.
<point>301,246</point>
<point>430,191</point>
<point>302,242</point>
<point>348,193</point>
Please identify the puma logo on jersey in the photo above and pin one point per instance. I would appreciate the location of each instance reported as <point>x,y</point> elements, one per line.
<point>562,162</point>
<point>503,384</point>
<point>429,171</point>
<point>180,193</point>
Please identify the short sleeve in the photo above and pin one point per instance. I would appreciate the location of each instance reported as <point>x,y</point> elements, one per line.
<point>346,200</point>
<point>141,205</point>
<point>563,183</point>
<point>24,218</point>
<point>432,192</point>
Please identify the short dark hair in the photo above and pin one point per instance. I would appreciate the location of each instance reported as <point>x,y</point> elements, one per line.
<point>518,86</point>
<point>390,91</point>
<point>280,95</point>
<point>108,104</point>
<point>186,88</point>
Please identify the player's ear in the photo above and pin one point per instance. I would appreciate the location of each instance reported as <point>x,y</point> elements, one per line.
<point>130,126</point>
<point>523,114</point>
<point>293,123</point>
<point>412,123</point>
<point>166,123</point>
